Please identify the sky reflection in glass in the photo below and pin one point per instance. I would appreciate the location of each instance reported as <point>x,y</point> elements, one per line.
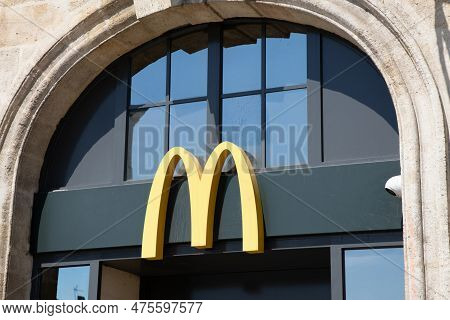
<point>287,130</point>
<point>73,283</point>
<point>242,58</point>
<point>146,143</point>
<point>189,63</point>
<point>188,127</point>
<point>241,124</point>
<point>148,83</point>
<point>374,274</point>
<point>286,60</point>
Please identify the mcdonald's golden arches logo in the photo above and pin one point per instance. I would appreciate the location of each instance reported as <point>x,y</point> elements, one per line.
<point>203,185</point>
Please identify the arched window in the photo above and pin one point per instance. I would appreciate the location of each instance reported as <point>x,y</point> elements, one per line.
<point>298,100</point>
<point>250,80</point>
<point>289,95</point>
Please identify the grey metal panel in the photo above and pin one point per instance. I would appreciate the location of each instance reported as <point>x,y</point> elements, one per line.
<point>359,120</point>
<point>82,151</point>
<point>178,222</point>
<point>92,218</point>
<point>329,200</point>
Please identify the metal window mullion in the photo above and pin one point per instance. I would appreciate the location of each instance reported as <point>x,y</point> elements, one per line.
<point>263,96</point>
<point>337,275</point>
<point>241,94</point>
<point>213,94</point>
<point>286,88</point>
<point>322,150</point>
<point>146,106</point>
<point>188,100</point>
<point>122,97</point>
<point>94,280</point>
<point>167,102</point>
<point>314,99</point>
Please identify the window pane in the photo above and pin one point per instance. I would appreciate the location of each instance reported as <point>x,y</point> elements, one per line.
<point>73,283</point>
<point>286,57</point>
<point>241,124</point>
<point>359,118</point>
<point>68,283</point>
<point>148,83</point>
<point>375,274</point>
<point>189,66</point>
<point>242,58</point>
<point>145,142</point>
<point>188,128</point>
<point>287,128</point>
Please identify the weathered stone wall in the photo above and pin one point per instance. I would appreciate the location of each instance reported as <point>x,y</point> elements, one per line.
<point>51,50</point>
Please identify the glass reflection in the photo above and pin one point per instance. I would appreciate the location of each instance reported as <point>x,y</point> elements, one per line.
<point>148,83</point>
<point>145,142</point>
<point>375,274</point>
<point>287,129</point>
<point>241,124</point>
<point>242,58</point>
<point>286,57</point>
<point>189,66</point>
<point>73,283</point>
<point>188,129</point>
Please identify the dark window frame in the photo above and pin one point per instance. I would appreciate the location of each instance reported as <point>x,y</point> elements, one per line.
<point>94,275</point>
<point>336,243</point>
<point>337,260</point>
<point>215,94</point>
<point>121,70</point>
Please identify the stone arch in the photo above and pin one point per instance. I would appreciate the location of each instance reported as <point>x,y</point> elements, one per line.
<point>73,61</point>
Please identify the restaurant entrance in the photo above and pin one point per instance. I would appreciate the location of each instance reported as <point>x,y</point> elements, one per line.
<point>290,274</point>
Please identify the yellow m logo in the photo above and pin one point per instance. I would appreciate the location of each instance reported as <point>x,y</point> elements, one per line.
<point>203,186</point>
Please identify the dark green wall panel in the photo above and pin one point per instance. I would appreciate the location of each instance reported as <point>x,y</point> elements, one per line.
<point>325,200</point>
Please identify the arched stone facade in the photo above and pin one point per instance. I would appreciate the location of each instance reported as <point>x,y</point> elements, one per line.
<point>101,31</point>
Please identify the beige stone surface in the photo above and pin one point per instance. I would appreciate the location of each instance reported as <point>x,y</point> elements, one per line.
<point>50,50</point>
<point>119,285</point>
